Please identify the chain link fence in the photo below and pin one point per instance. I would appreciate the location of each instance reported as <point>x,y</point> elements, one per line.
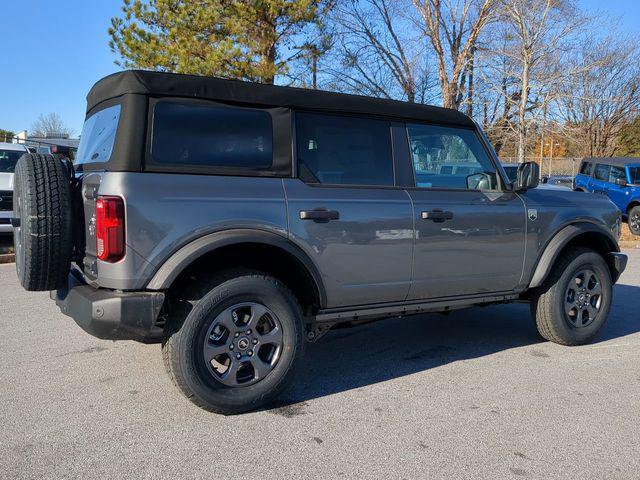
<point>564,167</point>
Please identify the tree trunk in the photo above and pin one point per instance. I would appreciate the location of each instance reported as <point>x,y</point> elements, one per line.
<point>522,112</point>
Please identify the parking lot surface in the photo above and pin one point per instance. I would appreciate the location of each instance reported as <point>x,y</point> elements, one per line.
<point>475,394</point>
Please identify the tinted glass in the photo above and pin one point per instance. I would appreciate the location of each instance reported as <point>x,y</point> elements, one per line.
<point>585,169</point>
<point>211,136</point>
<point>98,136</point>
<point>616,173</point>
<point>602,172</point>
<point>344,150</point>
<point>8,160</point>
<point>450,158</point>
<point>634,173</point>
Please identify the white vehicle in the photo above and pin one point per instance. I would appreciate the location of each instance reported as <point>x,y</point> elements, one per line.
<point>9,155</point>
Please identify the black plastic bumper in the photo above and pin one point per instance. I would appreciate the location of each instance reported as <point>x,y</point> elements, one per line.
<point>109,314</point>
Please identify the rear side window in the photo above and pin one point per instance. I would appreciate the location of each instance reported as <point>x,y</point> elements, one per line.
<point>344,150</point>
<point>586,168</point>
<point>98,136</point>
<point>201,135</point>
<point>602,172</point>
<point>634,173</point>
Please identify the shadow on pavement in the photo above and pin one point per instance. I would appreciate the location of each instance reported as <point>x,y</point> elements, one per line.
<point>351,358</point>
<point>625,313</point>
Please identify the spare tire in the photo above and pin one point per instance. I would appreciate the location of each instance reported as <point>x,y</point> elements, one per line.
<point>42,235</point>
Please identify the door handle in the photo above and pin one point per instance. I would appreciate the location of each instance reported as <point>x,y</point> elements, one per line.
<point>437,215</point>
<point>320,215</point>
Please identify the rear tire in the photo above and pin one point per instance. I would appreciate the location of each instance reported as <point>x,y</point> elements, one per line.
<point>200,340</point>
<point>573,304</point>
<point>634,220</point>
<point>43,238</point>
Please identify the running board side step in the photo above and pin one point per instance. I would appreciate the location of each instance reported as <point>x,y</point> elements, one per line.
<point>399,309</point>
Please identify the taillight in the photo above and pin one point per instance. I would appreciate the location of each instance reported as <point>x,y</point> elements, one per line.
<point>110,228</point>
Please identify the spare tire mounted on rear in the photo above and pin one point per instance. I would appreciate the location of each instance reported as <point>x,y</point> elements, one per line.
<point>42,235</point>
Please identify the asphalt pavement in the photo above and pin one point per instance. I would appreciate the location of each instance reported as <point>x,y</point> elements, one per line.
<point>475,394</point>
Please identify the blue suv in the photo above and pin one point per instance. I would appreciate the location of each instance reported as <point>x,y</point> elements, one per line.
<point>617,178</point>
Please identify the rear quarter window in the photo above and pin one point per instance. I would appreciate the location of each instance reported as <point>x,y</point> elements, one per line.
<point>634,175</point>
<point>586,168</point>
<point>200,135</point>
<point>98,136</point>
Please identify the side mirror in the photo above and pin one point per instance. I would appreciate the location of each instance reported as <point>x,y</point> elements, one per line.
<point>528,176</point>
<point>545,179</point>
<point>621,182</point>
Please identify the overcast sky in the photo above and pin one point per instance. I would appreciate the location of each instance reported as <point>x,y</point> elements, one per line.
<point>54,51</point>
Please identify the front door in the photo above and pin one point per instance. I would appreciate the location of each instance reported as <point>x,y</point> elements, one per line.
<point>470,234</point>
<point>346,212</point>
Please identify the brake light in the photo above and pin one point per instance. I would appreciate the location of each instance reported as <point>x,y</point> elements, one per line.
<point>110,228</point>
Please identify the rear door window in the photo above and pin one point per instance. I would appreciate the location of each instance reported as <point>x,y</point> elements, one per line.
<point>340,150</point>
<point>602,172</point>
<point>98,136</point>
<point>211,136</point>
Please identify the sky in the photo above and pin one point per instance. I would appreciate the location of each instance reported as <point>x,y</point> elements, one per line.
<point>53,51</point>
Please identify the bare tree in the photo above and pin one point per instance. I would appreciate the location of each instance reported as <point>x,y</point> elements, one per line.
<point>453,28</point>
<point>540,35</point>
<point>50,125</point>
<point>376,53</point>
<point>598,104</point>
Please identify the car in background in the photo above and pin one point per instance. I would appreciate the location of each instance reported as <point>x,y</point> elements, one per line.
<point>618,179</point>
<point>554,182</point>
<point>565,181</point>
<point>9,155</point>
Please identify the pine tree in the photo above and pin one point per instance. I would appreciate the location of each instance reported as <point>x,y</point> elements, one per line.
<point>244,39</point>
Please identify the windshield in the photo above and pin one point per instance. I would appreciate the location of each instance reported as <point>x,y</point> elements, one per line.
<point>98,136</point>
<point>8,160</point>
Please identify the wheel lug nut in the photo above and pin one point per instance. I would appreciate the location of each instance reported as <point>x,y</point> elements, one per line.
<point>231,347</point>
<point>250,352</point>
<point>237,335</point>
<point>238,356</point>
<point>248,332</point>
<point>255,341</point>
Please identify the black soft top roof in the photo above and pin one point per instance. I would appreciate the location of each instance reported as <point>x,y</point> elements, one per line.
<point>615,161</point>
<point>234,91</point>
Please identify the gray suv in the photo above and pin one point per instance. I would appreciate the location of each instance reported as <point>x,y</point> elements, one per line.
<point>235,222</point>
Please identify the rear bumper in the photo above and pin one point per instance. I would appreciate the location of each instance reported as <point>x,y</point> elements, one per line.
<point>111,315</point>
<point>617,263</point>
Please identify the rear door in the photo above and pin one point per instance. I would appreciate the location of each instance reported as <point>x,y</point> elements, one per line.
<point>583,179</point>
<point>346,212</point>
<point>600,180</point>
<point>470,234</point>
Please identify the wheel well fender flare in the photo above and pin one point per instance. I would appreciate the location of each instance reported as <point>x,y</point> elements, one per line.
<point>633,203</point>
<point>560,240</point>
<point>186,255</point>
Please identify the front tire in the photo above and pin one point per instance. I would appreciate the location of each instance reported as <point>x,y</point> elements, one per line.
<point>574,302</point>
<point>235,349</point>
<point>634,220</point>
